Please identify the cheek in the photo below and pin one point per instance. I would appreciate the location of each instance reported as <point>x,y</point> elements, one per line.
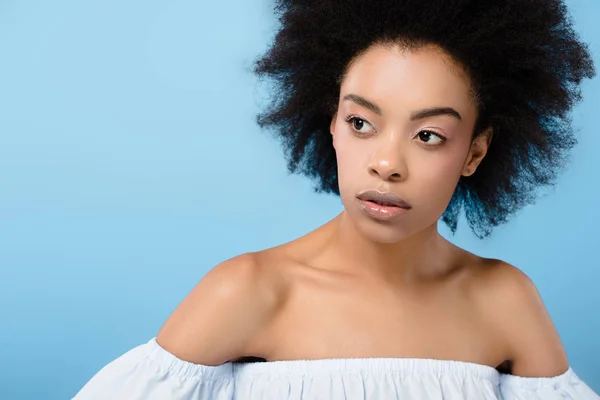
<point>436,177</point>
<point>347,153</point>
<point>350,165</point>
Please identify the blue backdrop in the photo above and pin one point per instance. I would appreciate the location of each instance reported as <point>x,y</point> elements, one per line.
<point>122,122</point>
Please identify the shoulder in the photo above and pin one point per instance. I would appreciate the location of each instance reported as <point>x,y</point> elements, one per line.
<point>225,314</point>
<point>515,307</point>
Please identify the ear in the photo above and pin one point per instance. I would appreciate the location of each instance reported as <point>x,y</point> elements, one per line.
<point>332,124</point>
<point>332,128</point>
<point>477,152</point>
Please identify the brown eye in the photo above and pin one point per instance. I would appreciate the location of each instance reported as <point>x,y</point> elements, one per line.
<point>359,125</point>
<point>431,138</point>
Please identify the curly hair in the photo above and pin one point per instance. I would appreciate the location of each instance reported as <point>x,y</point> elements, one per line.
<point>524,59</point>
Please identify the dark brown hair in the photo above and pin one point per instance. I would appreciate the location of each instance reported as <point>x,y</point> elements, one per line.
<point>524,59</point>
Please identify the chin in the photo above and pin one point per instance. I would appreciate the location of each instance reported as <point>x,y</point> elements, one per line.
<point>387,234</point>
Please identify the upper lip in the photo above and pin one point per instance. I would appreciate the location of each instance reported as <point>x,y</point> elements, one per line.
<point>383,197</point>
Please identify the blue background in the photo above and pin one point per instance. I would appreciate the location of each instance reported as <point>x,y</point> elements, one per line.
<point>130,164</point>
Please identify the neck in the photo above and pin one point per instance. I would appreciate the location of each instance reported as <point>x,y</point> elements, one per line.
<point>423,256</point>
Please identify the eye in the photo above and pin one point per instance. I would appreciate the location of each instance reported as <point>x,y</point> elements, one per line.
<point>359,125</point>
<point>431,138</point>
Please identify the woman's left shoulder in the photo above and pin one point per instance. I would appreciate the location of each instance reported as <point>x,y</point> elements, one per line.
<point>498,277</point>
<point>514,306</point>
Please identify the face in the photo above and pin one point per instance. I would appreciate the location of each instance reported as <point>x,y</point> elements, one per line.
<point>386,140</point>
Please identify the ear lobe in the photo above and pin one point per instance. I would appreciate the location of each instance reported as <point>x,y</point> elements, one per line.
<point>478,150</point>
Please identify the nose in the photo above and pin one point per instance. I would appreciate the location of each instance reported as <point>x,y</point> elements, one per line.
<point>387,163</point>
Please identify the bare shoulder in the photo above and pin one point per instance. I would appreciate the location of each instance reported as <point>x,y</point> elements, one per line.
<point>514,305</point>
<point>224,315</point>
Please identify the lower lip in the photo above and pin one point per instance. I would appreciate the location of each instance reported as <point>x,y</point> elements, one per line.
<point>382,213</point>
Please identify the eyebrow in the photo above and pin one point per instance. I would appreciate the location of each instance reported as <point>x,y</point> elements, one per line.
<point>416,115</point>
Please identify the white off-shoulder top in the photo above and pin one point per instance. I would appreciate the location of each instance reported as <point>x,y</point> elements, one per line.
<point>149,372</point>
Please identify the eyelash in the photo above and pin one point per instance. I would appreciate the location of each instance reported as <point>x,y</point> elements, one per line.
<point>350,120</point>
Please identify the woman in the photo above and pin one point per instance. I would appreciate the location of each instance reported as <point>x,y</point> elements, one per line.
<point>410,111</point>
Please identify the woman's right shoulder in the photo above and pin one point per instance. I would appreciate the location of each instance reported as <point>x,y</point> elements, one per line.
<point>224,317</point>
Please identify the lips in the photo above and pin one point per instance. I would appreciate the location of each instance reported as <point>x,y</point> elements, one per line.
<point>388,199</point>
<point>382,203</point>
<point>380,212</point>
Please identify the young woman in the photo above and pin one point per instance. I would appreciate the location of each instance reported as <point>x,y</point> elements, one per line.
<point>411,111</point>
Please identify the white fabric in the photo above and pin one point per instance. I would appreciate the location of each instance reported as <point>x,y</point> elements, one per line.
<point>149,372</point>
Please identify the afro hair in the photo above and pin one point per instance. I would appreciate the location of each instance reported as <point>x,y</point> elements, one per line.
<point>524,59</point>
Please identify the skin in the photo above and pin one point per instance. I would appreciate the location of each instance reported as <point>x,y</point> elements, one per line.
<point>357,287</point>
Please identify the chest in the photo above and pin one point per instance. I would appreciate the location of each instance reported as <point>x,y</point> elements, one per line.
<point>359,322</point>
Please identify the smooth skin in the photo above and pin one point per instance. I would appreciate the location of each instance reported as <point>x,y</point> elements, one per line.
<point>357,287</point>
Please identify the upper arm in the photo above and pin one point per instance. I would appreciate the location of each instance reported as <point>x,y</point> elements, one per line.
<point>222,317</point>
<point>531,337</point>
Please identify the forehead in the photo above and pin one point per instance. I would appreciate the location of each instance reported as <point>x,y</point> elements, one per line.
<point>423,77</point>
